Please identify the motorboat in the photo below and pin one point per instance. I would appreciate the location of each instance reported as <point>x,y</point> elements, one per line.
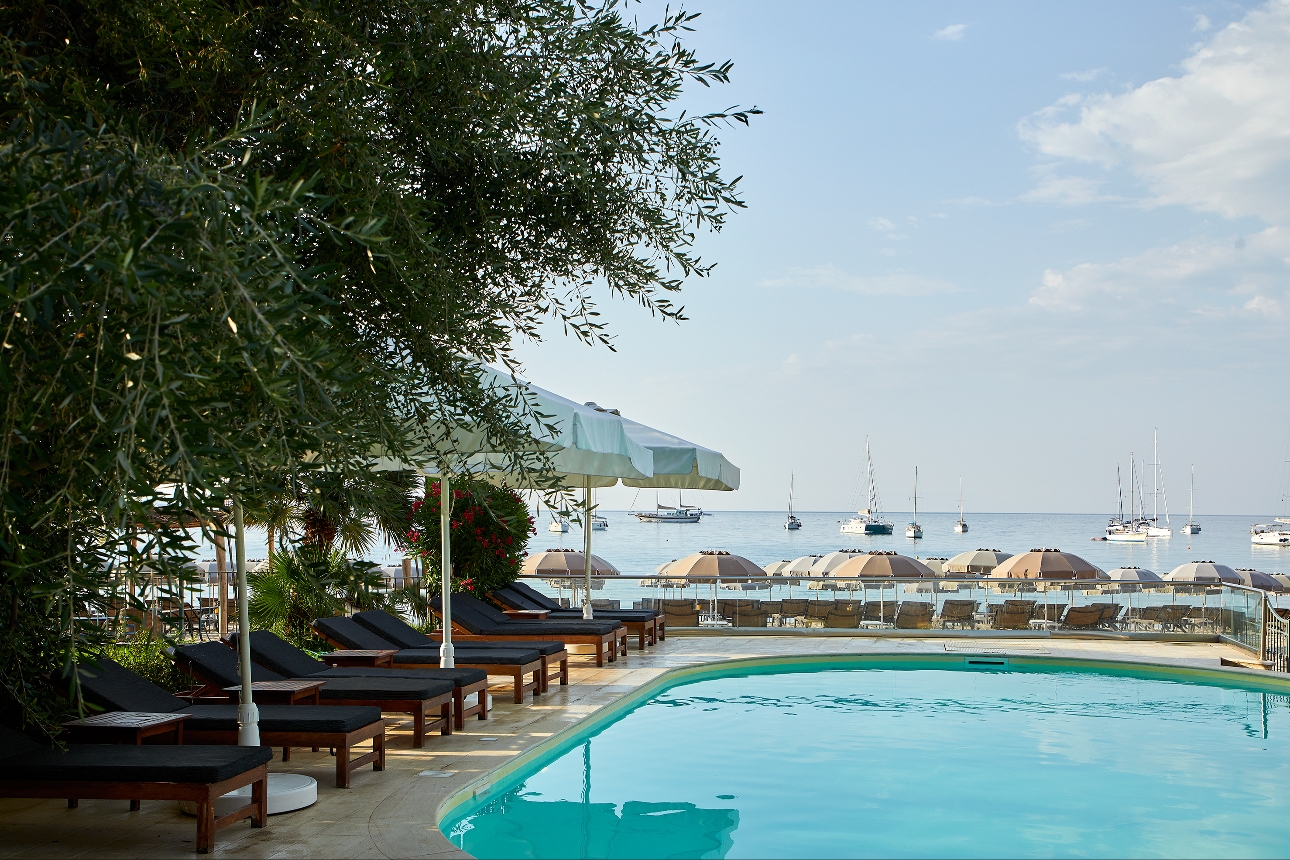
<point>1275,533</point>
<point>869,521</point>
<point>914,530</point>
<point>682,513</point>
<point>599,523</point>
<point>1191,527</point>
<point>792,523</point>
<point>558,526</point>
<point>961,526</point>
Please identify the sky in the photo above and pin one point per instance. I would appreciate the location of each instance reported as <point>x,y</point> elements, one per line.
<point>1003,241</point>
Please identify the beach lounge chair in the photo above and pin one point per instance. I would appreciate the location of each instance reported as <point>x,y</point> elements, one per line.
<point>555,657</point>
<point>749,618</point>
<point>914,615</point>
<point>1013,615</point>
<point>959,613</point>
<point>518,663</point>
<point>125,772</point>
<point>879,612</point>
<point>732,610</point>
<point>278,655</point>
<point>1050,614</point>
<point>116,688</point>
<point>1082,617</point>
<point>475,619</point>
<point>1110,614</point>
<point>644,623</point>
<point>791,609</point>
<point>846,620</point>
<point>217,665</point>
<point>680,613</point>
<point>818,610</point>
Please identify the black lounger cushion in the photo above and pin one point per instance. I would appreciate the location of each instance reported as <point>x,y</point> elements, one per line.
<point>351,634</point>
<point>128,763</point>
<point>343,689</point>
<point>288,660</point>
<point>474,613</point>
<point>219,664</point>
<point>531,596</point>
<point>395,629</point>
<point>106,683</point>
<point>284,718</point>
<point>517,595</point>
<point>519,653</point>
<point>546,648</point>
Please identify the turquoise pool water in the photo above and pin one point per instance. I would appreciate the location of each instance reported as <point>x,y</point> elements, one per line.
<point>927,762</point>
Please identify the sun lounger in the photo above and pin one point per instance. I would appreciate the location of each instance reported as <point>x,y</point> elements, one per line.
<point>680,613</point>
<point>278,655</point>
<point>914,615</point>
<point>961,613</point>
<point>749,618</point>
<point>125,772</point>
<point>818,610</point>
<point>217,665</point>
<point>792,608</point>
<point>518,663</point>
<point>475,619</point>
<point>879,612</point>
<point>845,620</point>
<point>648,624</point>
<point>1013,615</point>
<point>1082,617</point>
<point>555,657</point>
<point>118,689</point>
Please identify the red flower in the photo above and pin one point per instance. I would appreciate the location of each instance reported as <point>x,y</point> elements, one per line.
<point>416,506</point>
<point>455,523</point>
<point>414,536</point>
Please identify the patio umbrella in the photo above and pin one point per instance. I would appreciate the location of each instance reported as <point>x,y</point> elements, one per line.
<point>799,566</point>
<point>562,562</point>
<point>1203,571</point>
<point>775,568</point>
<point>978,561</point>
<point>830,562</point>
<point>1133,574</point>
<point>1283,579</point>
<point>882,565</point>
<point>1046,564</point>
<point>1258,579</point>
<point>709,565</point>
<point>936,564</point>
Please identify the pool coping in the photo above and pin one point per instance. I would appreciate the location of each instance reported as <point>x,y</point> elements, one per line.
<point>483,784</point>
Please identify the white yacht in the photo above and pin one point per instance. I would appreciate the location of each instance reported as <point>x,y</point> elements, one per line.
<point>914,530</point>
<point>869,521</point>
<point>1132,530</point>
<point>558,526</point>
<point>961,526</point>
<point>1275,533</point>
<point>599,523</point>
<point>1191,527</point>
<point>682,513</point>
<point>792,523</point>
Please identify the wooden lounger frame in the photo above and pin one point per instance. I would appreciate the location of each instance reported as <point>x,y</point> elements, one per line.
<point>203,794</point>
<point>607,643</point>
<point>340,741</point>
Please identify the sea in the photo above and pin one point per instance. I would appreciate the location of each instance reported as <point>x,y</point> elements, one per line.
<point>637,548</point>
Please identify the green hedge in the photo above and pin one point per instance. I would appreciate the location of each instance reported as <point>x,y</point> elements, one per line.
<point>147,657</point>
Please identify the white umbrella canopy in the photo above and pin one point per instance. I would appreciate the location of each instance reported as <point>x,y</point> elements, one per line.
<point>710,565</point>
<point>1046,564</point>
<point>882,565</point>
<point>1133,574</point>
<point>977,561</point>
<point>936,565</point>
<point>800,566</point>
<point>829,562</point>
<point>1283,579</point>
<point>677,464</point>
<point>775,568</point>
<point>1203,571</point>
<point>1259,579</point>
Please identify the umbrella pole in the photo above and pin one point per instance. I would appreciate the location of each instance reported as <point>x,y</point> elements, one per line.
<point>586,547</point>
<point>248,716</point>
<point>446,659</point>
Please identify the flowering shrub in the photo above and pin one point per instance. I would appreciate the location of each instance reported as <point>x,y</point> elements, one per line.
<point>490,527</point>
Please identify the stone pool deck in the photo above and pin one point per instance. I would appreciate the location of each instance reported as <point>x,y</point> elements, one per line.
<point>392,814</point>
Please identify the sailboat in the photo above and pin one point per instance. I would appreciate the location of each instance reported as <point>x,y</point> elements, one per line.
<point>1120,529</point>
<point>914,530</point>
<point>1154,529</point>
<point>869,521</point>
<point>559,525</point>
<point>961,526</point>
<point>682,513</point>
<point>1191,527</point>
<point>792,523</point>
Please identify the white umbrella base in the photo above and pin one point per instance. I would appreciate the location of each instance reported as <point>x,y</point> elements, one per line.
<point>288,792</point>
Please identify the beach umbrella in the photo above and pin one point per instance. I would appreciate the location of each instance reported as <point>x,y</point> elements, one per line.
<point>1046,564</point>
<point>709,565</point>
<point>882,565</point>
<point>829,562</point>
<point>1283,579</point>
<point>1133,574</point>
<point>977,561</point>
<point>776,568</point>
<point>1258,579</point>
<point>562,562</point>
<point>800,566</point>
<point>1203,571</point>
<point>937,565</point>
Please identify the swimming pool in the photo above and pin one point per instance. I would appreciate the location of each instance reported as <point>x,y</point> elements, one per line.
<point>915,757</point>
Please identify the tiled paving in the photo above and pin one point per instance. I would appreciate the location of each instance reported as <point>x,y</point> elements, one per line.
<point>392,814</point>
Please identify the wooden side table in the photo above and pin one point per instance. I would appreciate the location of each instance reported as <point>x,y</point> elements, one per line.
<point>366,658</point>
<point>123,727</point>
<point>291,692</point>
<point>527,614</point>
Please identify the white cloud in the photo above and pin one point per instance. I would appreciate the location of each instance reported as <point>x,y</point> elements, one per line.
<point>952,33</point>
<point>1089,75</point>
<point>831,277</point>
<point>1069,190</point>
<point>1217,277</point>
<point>1202,24</point>
<point>1215,139</point>
<point>881,224</point>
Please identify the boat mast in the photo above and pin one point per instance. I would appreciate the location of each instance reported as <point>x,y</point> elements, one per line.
<point>1119,492</point>
<point>960,498</point>
<point>1191,496</point>
<point>790,495</point>
<point>1155,475</point>
<point>915,495</point>
<point>873,505</point>
<point>1133,472</point>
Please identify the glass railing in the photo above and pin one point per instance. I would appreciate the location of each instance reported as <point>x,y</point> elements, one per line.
<point>1234,613</point>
